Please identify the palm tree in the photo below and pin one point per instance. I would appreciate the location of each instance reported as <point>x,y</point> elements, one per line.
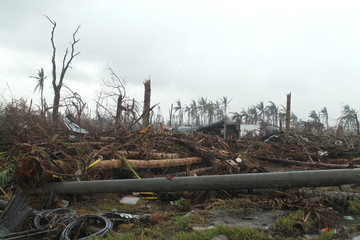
<point>245,116</point>
<point>272,113</point>
<point>236,116</point>
<point>261,113</point>
<point>187,110</point>
<point>324,116</point>
<point>210,108</point>
<point>225,103</point>
<point>202,106</point>
<point>253,115</point>
<point>293,118</point>
<point>40,85</point>
<point>194,113</point>
<point>282,116</point>
<point>178,108</point>
<point>219,111</point>
<point>314,116</point>
<point>349,118</point>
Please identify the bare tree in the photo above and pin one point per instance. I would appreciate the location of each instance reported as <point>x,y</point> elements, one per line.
<point>120,107</point>
<point>117,86</point>
<point>67,59</point>
<point>75,105</point>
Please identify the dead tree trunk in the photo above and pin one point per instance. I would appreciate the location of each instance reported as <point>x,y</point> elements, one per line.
<point>65,65</point>
<point>357,125</point>
<point>111,164</point>
<point>118,112</point>
<point>146,111</point>
<point>287,125</point>
<point>170,113</point>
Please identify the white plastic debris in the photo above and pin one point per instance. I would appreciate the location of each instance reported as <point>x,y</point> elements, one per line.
<point>338,143</point>
<point>74,127</point>
<point>322,153</point>
<point>231,162</point>
<point>132,200</point>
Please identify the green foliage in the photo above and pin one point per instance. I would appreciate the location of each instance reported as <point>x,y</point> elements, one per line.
<point>184,222</point>
<point>184,204</point>
<point>286,223</point>
<point>6,169</point>
<point>326,236</point>
<point>233,233</point>
<point>353,206</point>
<point>232,205</point>
<point>126,236</point>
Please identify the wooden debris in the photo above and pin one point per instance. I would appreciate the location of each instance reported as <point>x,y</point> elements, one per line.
<point>111,164</point>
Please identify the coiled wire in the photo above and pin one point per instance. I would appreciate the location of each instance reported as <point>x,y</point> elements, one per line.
<point>107,225</point>
<point>54,217</point>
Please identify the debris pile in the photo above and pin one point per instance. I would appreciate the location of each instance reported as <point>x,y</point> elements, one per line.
<point>81,156</point>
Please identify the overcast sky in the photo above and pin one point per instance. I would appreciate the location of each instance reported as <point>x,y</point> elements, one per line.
<point>249,51</point>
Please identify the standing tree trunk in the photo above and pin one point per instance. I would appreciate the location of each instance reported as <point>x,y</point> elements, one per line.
<point>56,104</point>
<point>357,124</point>
<point>170,113</point>
<point>288,110</point>
<point>146,111</point>
<point>118,112</point>
<point>65,65</point>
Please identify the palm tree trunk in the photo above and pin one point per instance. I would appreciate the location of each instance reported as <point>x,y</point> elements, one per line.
<point>109,164</point>
<point>287,126</point>
<point>146,111</point>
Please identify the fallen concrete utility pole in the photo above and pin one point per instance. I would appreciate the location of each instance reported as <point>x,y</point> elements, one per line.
<point>315,178</point>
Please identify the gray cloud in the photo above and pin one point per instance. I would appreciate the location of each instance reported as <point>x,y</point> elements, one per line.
<point>249,51</point>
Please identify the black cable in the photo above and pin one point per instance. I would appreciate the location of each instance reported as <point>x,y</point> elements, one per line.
<point>50,218</point>
<point>66,233</point>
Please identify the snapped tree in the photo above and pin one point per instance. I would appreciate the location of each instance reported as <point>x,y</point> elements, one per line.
<point>67,59</point>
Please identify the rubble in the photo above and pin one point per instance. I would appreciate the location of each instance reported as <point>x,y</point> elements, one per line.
<point>184,161</point>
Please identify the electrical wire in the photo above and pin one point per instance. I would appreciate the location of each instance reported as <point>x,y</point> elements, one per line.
<point>54,217</point>
<point>91,218</point>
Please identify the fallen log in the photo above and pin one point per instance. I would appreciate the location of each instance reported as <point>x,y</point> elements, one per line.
<point>192,172</point>
<point>77,144</point>
<point>111,164</point>
<point>137,154</point>
<point>308,164</point>
<point>291,179</point>
<point>155,155</point>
